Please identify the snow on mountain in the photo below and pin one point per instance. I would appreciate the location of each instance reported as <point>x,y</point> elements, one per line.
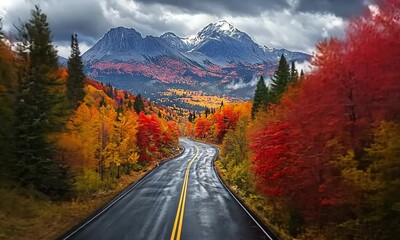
<point>219,59</point>
<point>221,43</point>
<point>176,41</point>
<point>125,44</point>
<point>218,43</point>
<point>222,29</point>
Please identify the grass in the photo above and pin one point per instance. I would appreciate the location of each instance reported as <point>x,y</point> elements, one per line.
<point>26,214</point>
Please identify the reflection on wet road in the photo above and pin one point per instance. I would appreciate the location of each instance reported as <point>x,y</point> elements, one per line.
<point>181,199</point>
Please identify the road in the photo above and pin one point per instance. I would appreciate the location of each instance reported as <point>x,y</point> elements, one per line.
<point>181,199</point>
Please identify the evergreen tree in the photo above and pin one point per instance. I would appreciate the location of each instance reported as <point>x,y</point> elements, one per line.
<point>261,97</point>
<point>38,112</point>
<point>75,80</point>
<point>301,75</point>
<point>207,111</point>
<point>109,90</point>
<point>280,80</point>
<point>8,86</point>
<point>1,30</point>
<point>294,75</point>
<point>190,117</point>
<point>138,105</point>
<point>102,103</point>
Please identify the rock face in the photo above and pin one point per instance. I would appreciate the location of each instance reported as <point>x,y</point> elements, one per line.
<point>215,60</point>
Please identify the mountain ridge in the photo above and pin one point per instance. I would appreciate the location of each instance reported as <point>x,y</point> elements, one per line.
<point>219,60</point>
<point>219,43</point>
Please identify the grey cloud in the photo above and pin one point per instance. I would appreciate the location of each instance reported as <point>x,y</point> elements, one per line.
<point>341,8</point>
<point>240,7</point>
<point>65,17</point>
<point>154,19</point>
<point>293,31</point>
<point>273,23</point>
<point>85,18</point>
<point>145,19</point>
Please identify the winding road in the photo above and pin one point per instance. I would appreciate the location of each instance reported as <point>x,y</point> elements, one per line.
<point>182,198</point>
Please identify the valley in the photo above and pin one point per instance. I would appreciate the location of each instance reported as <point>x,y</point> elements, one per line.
<point>164,129</point>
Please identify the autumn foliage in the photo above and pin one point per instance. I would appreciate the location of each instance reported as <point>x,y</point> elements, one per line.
<point>299,150</point>
<point>105,136</point>
<point>324,154</point>
<point>213,127</point>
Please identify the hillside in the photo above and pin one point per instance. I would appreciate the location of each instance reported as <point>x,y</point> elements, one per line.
<point>219,61</point>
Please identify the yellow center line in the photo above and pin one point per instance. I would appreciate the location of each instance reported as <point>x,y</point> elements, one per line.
<point>177,230</point>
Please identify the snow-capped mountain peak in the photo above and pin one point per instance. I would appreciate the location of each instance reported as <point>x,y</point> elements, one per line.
<point>218,43</point>
<point>216,58</point>
<point>175,41</point>
<point>218,29</point>
<point>225,26</point>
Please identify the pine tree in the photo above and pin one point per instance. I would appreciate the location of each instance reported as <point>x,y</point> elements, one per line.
<point>261,97</point>
<point>8,86</point>
<point>75,80</point>
<point>280,80</point>
<point>138,105</point>
<point>38,110</point>
<point>129,105</point>
<point>301,75</point>
<point>102,103</point>
<point>207,111</point>
<point>1,30</point>
<point>109,90</point>
<point>294,75</point>
<point>190,118</point>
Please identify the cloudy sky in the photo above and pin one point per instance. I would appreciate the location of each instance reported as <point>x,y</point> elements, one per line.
<point>291,24</point>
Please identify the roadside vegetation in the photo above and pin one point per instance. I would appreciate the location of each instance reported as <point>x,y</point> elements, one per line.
<point>67,144</point>
<point>318,155</point>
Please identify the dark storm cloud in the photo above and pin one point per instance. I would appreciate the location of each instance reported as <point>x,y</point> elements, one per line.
<point>65,17</point>
<point>274,23</point>
<point>85,18</point>
<point>241,7</point>
<point>340,8</point>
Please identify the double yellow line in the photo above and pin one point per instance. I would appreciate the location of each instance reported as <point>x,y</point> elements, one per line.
<point>177,230</point>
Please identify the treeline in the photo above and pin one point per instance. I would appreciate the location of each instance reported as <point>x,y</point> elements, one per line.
<point>65,135</point>
<point>106,138</point>
<point>213,124</point>
<point>323,151</point>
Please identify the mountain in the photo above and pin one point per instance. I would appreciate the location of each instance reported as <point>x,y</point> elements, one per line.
<point>62,61</point>
<point>218,60</point>
<point>126,44</point>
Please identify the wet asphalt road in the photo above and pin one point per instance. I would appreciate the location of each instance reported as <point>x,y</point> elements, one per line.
<point>175,202</point>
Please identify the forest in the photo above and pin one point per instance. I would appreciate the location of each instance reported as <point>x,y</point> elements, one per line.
<point>315,155</point>
<point>318,155</point>
<point>65,137</point>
